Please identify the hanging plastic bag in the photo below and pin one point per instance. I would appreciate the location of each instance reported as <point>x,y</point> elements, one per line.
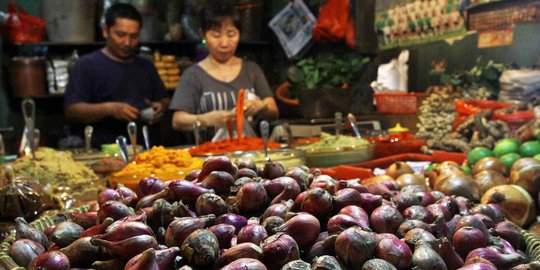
<point>335,23</point>
<point>21,26</point>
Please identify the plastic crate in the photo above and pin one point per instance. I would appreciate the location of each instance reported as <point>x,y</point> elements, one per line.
<point>397,103</point>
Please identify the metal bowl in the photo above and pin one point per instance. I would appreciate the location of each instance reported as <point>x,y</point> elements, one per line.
<point>287,157</point>
<point>331,157</point>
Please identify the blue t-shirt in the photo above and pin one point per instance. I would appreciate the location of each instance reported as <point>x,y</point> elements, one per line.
<point>95,78</point>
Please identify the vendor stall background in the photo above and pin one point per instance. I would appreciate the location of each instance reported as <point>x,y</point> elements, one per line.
<point>459,54</point>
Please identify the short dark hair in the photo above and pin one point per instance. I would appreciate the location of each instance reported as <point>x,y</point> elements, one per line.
<point>122,10</point>
<point>214,13</point>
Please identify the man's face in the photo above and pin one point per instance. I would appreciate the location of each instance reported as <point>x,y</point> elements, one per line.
<point>122,38</point>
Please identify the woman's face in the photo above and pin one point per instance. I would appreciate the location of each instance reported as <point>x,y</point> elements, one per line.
<point>222,41</point>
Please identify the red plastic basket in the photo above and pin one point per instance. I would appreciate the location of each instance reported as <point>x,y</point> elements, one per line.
<point>397,103</point>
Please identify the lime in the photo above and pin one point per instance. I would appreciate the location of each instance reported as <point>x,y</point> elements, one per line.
<point>430,167</point>
<point>537,157</point>
<point>505,146</point>
<point>538,136</point>
<point>509,159</point>
<point>467,169</point>
<point>477,154</point>
<point>529,149</point>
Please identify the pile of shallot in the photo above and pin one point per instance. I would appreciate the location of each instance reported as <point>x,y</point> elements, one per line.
<point>237,216</point>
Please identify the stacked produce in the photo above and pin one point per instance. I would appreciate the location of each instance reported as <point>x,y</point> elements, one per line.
<point>437,112</point>
<point>477,131</point>
<point>238,216</point>
<point>159,162</point>
<point>231,145</point>
<point>168,69</point>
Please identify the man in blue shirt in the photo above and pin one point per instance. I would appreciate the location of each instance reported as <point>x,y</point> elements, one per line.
<point>109,87</point>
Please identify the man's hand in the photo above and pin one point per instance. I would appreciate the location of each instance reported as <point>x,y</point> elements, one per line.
<point>159,110</point>
<point>123,111</point>
<point>217,118</point>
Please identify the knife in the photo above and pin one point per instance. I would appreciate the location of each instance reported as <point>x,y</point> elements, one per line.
<point>88,130</point>
<point>265,133</point>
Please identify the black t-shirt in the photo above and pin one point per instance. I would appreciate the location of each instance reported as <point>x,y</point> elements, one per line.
<point>95,78</point>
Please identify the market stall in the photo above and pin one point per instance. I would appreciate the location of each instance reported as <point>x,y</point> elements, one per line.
<point>359,171</point>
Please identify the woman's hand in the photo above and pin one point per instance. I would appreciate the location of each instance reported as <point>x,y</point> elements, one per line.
<point>253,107</point>
<point>216,118</point>
<point>159,110</point>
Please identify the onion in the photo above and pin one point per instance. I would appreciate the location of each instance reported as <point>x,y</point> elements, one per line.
<point>437,194</point>
<point>398,168</point>
<point>288,193</point>
<point>347,196</point>
<point>216,163</point>
<point>210,203</point>
<point>324,182</point>
<point>449,255</point>
<point>150,185</point>
<point>185,191</point>
<point>23,251</point>
<point>381,236</point>
<point>192,176</point>
<point>496,256</point>
<point>181,228</point>
<point>437,210</point>
<point>408,225</point>
<point>486,220</point>
<point>511,233</point>
<point>468,238</point>
<point>409,179</point>
<point>108,195</point>
<point>271,223</point>
<point>491,164</point>
<point>424,257</point>
<point>245,172</point>
<point>516,203</point>
<point>317,202</point>
<point>241,250</point>
<point>279,209</point>
<point>378,264</point>
<point>325,262</point>
<point>478,266</point>
<point>464,205</point>
<point>412,189</point>
<point>245,264</point>
<point>278,250</point>
<point>395,252</point>
<point>418,212</point>
<point>224,234</point>
<point>357,213</point>
<point>252,233</point>
<point>369,201</point>
<point>491,210</point>
<point>526,173</point>
<point>381,189</point>
<point>340,222</point>
<point>405,200</point>
<point>53,260</point>
<point>277,185</point>
<point>475,222</point>
<point>458,184</point>
<point>251,198</point>
<point>488,179</point>
<point>354,247</point>
<point>113,209</point>
<point>219,181</point>
<point>385,219</point>
<point>440,228</point>
<point>297,265</point>
<point>416,235</point>
<point>272,170</point>
<point>246,162</point>
<point>426,198</point>
<point>298,201</point>
<point>301,177</point>
<point>236,220</point>
<point>303,228</point>
<point>201,248</point>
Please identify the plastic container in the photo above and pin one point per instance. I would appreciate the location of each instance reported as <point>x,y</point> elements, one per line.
<point>287,157</point>
<point>394,144</point>
<point>339,156</point>
<point>397,103</point>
